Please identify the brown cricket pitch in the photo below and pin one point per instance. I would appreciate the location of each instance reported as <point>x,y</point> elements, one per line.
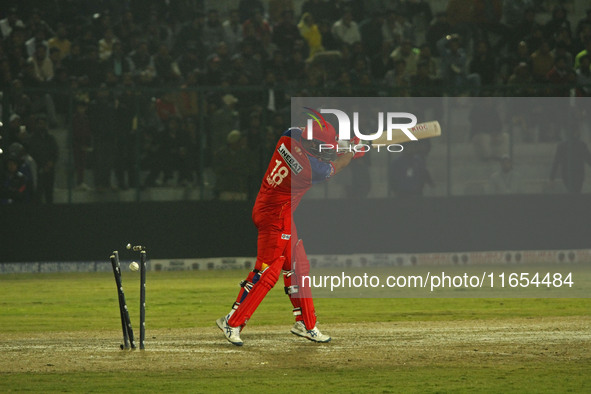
<point>357,345</point>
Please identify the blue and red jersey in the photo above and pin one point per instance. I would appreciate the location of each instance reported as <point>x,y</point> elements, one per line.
<point>291,173</point>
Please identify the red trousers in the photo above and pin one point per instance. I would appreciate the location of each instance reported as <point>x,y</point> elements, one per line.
<point>277,236</point>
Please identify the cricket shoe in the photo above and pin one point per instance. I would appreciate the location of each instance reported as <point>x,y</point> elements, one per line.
<point>232,334</point>
<point>299,329</point>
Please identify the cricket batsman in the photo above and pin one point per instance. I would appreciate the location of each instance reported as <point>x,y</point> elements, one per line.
<point>297,163</point>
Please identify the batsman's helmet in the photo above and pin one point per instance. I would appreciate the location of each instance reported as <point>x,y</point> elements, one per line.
<point>324,142</point>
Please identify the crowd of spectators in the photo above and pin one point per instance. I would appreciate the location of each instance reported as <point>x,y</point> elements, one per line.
<point>132,67</point>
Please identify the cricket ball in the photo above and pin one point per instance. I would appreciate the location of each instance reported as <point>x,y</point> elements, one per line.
<point>133,266</point>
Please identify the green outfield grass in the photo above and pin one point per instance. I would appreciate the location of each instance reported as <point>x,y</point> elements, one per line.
<point>34,305</point>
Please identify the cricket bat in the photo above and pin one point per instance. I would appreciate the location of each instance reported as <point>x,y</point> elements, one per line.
<point>420,131</point>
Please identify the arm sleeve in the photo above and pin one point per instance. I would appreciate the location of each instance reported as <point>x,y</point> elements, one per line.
<point>321,171</point>
<point>288,132</point>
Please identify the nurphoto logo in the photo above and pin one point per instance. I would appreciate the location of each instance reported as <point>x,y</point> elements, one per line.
<point>344,129</point>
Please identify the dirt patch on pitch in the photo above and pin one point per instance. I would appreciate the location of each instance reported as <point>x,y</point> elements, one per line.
<point>361,344</point>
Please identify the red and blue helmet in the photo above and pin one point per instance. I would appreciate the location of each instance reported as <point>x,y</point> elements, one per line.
<point>323,141</point>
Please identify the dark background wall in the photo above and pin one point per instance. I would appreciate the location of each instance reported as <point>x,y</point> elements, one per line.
<point>86,232</point>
